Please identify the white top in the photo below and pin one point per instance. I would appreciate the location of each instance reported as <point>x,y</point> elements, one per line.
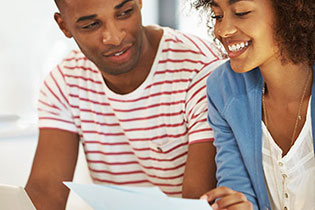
<point>290,179</point>
<point>140,138</point>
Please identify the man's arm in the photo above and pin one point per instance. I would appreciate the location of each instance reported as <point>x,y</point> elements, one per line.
<point>200,171</point>
<point>54,162</point>
<point>199,176</point>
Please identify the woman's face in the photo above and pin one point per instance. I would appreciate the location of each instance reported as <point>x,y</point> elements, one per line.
<point>245,28</point>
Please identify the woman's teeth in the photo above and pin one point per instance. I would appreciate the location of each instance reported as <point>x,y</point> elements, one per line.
<point>237,47</point>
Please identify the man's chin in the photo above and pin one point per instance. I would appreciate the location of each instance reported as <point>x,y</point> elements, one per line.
<point>117,68</point>
<point>116,71</point>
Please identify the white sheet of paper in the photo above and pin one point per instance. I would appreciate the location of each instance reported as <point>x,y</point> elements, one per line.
<point>14,198</point>
<point>109,197</point>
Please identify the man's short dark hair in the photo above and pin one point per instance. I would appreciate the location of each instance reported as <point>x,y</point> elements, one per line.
<point>58,3</point>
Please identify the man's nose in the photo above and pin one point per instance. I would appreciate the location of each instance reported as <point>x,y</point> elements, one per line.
<point>112,34</point>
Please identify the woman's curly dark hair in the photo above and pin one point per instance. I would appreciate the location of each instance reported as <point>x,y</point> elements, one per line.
<point>294,28</point>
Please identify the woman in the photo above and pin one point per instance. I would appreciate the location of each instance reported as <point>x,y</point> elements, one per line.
<point>262,104</point>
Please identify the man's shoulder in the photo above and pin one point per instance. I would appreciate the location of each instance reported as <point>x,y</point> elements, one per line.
<point>196,45</point>
<point>74,56</point>
<point>76,60</point>
<point>73,67</point>
<point>186,55</point>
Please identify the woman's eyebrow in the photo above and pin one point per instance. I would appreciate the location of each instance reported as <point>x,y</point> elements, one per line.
<point>215,4</point>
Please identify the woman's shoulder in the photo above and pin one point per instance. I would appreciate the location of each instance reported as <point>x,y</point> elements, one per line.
<point>225,84</point>
<point>223,78</point>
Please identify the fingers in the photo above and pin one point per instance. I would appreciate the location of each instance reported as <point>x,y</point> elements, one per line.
<point>227,199</point>
<point>233,201</point>
<point>241,206</point>
<point>216,193</point>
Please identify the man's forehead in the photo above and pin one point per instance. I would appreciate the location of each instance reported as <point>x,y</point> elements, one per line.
<point>80,9</point>
<point>115,3</point>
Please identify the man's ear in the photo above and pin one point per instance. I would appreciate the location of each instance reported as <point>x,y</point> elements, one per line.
<point>62,25</point>
<point>140,3</point>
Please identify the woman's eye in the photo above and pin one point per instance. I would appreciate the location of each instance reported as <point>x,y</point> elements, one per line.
<point>89,26</point>
<point>217,17</point>
<point>241,14</point>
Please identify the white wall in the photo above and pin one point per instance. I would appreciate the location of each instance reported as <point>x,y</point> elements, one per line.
<point>191,21</point>
<point>30,46</point>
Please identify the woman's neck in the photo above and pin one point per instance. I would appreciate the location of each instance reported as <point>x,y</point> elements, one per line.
<point>285,82</point>
<point>285,101</point>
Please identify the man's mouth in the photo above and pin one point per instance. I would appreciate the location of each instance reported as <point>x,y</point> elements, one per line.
<point>120,55</point>
<point>117,52</point>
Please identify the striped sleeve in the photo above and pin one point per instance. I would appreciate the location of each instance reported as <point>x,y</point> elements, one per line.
<point>197,108</point>
<point>53,105</point>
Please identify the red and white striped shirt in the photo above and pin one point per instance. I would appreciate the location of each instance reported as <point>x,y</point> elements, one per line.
<point>140,138</point>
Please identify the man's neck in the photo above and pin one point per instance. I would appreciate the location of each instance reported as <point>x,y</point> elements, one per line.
<point>130,81</point>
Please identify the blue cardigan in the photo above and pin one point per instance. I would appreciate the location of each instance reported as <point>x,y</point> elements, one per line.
<point>235,114</point>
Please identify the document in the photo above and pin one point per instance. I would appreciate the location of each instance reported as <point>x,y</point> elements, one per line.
<point>14,198</point>
<point>110,197</point>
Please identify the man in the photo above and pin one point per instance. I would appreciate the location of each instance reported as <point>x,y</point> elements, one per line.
<point>134,96</point>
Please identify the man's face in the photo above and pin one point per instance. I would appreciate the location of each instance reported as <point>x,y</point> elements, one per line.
<point>108,32</point>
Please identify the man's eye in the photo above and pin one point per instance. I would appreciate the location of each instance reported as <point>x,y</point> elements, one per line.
<point>240,14</point>
<point>89,26</point>
<point>125,13</point>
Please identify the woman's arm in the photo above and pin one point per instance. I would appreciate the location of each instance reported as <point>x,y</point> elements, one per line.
<point>231,170</point>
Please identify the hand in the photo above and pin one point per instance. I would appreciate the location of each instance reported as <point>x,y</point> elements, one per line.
<point>228,199</point>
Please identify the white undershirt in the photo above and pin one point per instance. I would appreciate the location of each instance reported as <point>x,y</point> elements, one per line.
<point>290,179</point>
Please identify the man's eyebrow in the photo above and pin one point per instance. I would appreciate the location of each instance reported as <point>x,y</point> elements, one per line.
<point>121,4</point>
<point>88,17</point>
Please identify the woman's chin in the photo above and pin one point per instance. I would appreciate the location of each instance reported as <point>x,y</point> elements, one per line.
<point>240,67</point>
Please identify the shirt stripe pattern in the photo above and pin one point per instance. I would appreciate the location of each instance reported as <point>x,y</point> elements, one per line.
<point>140,138</point>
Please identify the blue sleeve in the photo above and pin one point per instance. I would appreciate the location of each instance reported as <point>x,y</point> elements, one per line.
<point>231,170</point>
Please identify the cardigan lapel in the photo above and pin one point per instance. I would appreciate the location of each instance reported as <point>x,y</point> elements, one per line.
<point>313,107</point>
